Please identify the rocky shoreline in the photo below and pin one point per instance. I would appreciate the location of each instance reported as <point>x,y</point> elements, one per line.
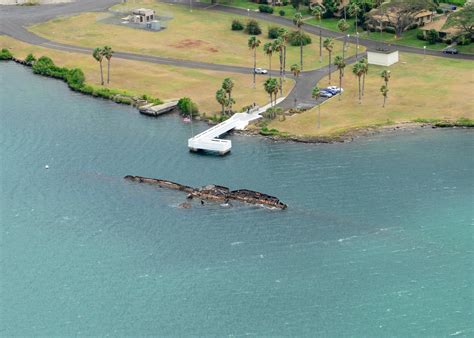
<point>353,134</point>
<point>215,193</point>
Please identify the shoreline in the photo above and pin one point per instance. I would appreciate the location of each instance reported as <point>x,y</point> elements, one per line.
<point>355,133</point>
<point>345,137</point>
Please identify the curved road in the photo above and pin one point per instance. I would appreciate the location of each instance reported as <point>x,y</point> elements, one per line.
<point>14,19</point>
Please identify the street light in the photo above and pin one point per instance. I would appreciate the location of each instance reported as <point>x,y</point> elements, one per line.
<point>248,12</point>
<point>424,52</point>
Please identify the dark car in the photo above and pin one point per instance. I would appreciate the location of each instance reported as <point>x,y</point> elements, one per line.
<point>450,50</point>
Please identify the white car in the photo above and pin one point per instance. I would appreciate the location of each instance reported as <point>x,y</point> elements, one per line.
<point>336,88</point>
<point>260,71</point>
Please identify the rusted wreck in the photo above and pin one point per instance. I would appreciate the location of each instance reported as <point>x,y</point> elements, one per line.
<point>214,192</point>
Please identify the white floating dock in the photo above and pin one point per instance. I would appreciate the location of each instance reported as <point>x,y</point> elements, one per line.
<point>208,139</point>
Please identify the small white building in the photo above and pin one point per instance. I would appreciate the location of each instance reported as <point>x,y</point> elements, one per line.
<point>143,15</point>
<point>382,57</point>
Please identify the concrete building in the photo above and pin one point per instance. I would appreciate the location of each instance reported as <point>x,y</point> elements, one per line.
<point>142,15</point>
<point>382,57</point>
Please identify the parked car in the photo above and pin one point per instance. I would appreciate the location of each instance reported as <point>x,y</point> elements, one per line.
<point>260,71</point>
<point>330,90</point>
<point>450,50</point>
<point>336,88</point>
<point>325,93</point>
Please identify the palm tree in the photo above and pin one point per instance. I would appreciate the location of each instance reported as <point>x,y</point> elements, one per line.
<point>107,52</point>
<point>340,65</point>
<point>354,10</point>
<point>276,89</point>
<point>277,46</point>
<point>318,12</point>
<point>221,98</point>
<point>254,43</point>
<point>316,94</point>
<point>296,70</point>
<point>270,84</point>
<point>385,74</point>
<point>343,27</point>
<point>98,56</point>
<point>298,22</point>
<point>329,45</point>
<point>384,91</point>
<point>268,49</point>
<point>358,70</point>
<point>228,85</point>
<point>365,66</point>
<point>284,35</point>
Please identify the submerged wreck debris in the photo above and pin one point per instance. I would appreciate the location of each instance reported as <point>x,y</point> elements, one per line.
<point>215,192</point>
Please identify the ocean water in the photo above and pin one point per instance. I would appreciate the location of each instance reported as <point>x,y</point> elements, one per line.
<point>377,240</point>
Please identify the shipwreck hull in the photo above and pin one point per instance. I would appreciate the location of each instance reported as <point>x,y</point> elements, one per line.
<point>214,192</point>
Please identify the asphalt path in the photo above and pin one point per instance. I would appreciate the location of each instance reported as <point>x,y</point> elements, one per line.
<point>15,19</point>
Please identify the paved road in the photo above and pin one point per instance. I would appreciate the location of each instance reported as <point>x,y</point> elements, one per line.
<point>14,19</point>
<point>370,44</point>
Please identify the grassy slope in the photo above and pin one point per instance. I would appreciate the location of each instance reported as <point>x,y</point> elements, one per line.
<point>211,39</point>
<point>165,82</point>
<point>430,88</point>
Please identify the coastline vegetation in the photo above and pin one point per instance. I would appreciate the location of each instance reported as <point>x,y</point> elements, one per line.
<point>5,54</point>
<point>136,78</point>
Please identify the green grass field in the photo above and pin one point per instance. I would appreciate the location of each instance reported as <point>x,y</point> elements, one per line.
<point>211,40</point>
<point>408,38</point>
<point>420,88</point>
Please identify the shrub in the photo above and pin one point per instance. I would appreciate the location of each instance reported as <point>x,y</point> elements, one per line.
<point>237,25</point>
<point>265,9</point>
<point>463,40</point>
<point>253,28</point>
<point>281,12</point>
<point>150,99</point>
<point>390,30</point>
<point>45,66</point>
<point>30,58</point>
<point>432,36</point>
<point>122,99</point>
<point>285,3</point>
<point>75,77</point>
<point>187,107</point>
<point>104,93</point>
<point>269,132</point>
<point>5,54</point>
<point>439,10</point>
<point>273,32</point>
<point>88,90</point>
<point>420,35</point>
<point>331,8</point>
<point>296,39</point>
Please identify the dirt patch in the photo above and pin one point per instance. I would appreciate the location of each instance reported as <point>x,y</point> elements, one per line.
<point>198,44</point>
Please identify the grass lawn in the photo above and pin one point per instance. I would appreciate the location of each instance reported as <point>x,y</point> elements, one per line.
<point>408,38</point>
<point>164,82</point>
<point>431,88</point>
<point>199,35</point>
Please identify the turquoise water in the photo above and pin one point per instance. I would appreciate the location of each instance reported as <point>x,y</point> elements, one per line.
<point>377,240</point>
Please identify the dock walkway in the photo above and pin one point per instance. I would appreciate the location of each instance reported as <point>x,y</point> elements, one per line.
<point>209,139</point>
